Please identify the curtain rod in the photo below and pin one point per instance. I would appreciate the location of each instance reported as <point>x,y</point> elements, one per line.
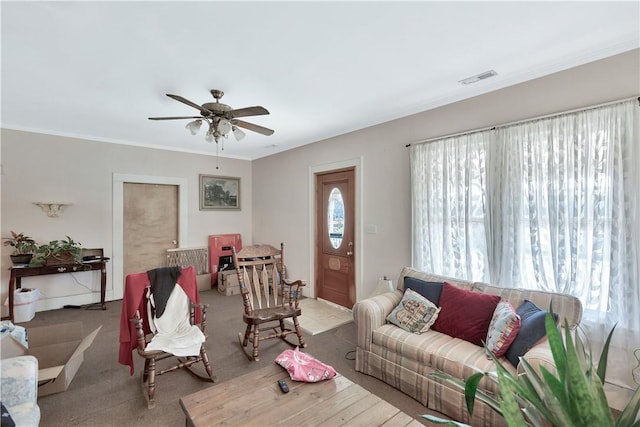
<point>469,132</point>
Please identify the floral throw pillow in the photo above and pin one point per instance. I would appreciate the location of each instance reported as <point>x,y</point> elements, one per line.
<point>503,329</point>
<point>414,313</point>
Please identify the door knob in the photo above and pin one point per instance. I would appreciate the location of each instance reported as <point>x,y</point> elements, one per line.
<point>350,249</point>
<point>174,242</point>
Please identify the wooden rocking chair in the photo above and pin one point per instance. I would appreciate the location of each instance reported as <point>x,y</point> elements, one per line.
<point>144,334</point>
<point>267,297</point>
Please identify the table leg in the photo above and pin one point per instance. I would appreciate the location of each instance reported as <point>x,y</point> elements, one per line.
<point>103,285</point>
<point>12,290</point>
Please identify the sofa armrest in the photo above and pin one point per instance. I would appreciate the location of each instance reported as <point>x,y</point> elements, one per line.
<point>539,355</point>
<point>19,389</point>
<point>19,380</point>
<point>371,313</point>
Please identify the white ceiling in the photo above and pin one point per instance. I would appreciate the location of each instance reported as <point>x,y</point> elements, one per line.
<point>97,70</point>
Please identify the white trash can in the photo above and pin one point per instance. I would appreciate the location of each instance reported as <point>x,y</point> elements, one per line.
<point>24,304</point>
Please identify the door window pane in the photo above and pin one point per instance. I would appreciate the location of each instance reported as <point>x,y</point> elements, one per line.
<point>335,218</point>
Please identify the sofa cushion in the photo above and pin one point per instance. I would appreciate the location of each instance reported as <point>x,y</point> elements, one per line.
<point>414,313</point>
<point>531,331</point>
<point>432,351</point>
<point>503,328</point>
<point>390,342</point>
<point>429,290</point>
<point>465,314</point>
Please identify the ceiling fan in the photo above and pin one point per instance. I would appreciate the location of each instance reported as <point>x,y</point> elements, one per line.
<point>220,118</point>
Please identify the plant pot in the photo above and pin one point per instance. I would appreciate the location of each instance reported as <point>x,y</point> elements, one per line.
<point>21,259</point>
<point>60,259</point>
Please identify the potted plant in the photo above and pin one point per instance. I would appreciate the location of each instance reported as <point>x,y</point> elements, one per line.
<point>24,247</point>
<point>58,252</point>
<point>574,396</point>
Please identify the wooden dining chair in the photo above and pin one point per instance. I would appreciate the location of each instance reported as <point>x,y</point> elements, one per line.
<point>268,298</point>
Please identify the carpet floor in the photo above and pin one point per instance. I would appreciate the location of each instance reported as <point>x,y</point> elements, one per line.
<point>104,394</point>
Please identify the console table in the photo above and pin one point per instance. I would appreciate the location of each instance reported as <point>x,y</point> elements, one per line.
<point>97,264</point>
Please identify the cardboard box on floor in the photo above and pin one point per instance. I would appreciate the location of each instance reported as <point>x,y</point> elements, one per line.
<point>59,350</point>
<point>204,282</point>
<point>228,283</point>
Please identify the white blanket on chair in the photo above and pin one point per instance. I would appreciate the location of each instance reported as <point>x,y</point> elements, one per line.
<point>175,333</point>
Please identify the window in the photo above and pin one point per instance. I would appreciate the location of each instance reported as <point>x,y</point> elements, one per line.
<point>548,204</point>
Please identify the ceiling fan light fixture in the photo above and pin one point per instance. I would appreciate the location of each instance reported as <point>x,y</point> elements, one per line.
<point>221,119</point>
<point>224,127</point>
<point>194,126</point>
<point>238,133</point>
<point>209,136</point>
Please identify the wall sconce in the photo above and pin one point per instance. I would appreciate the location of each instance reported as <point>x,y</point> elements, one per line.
<point>53,210</point>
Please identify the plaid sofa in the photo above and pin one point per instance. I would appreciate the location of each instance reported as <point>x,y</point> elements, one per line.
<point>403,359</point>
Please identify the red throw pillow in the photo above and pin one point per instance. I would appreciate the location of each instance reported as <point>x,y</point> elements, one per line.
<point>465,314</point>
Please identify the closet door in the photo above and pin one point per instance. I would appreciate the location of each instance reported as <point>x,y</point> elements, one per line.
<point>150,225</point>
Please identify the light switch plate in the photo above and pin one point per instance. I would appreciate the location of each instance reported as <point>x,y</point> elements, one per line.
<point>371,229</point>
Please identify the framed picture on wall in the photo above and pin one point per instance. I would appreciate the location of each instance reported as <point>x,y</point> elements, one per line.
<point>219,193</point>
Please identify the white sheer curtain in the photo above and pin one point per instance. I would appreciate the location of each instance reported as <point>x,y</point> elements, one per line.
<point>549,204</point>
<point>448,198</point>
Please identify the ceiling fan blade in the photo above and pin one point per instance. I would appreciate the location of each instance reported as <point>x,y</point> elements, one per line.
<point>190,104</point>
<point>175,118</point>
<point>249,111</point>
<point>252,127</point>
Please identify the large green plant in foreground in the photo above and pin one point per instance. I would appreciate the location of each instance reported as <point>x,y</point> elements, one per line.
<point>572,397</point>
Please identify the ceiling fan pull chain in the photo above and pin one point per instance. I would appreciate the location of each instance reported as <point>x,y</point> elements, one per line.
<point>217,157</point>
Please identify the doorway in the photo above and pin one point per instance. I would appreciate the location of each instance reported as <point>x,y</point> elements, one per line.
<point>150,225</point>
<point>119,180</point>
<point>335,236</point>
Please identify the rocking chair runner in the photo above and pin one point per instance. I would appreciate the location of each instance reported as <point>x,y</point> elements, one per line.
<point>167,332</point>
<point>268,298</point>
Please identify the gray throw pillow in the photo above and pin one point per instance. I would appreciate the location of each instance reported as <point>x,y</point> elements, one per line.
<point>429,290</point>
<point>531,331</point>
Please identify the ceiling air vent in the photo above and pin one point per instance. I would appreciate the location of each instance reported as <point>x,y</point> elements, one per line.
<point>478,77</point>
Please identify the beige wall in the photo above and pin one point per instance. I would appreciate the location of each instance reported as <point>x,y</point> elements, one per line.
<point>385,163</point>
<point>275,189</point>
<point>48,168</point>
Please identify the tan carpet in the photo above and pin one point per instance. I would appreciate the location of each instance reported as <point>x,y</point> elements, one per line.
<point>103,394</point>
<point>320,316</point>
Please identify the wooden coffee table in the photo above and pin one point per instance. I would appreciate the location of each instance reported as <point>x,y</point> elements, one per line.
<point>255,399</point>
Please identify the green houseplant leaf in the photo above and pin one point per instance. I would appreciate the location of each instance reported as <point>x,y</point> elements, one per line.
<point>586,408</point>
<point>20,243</point>
<point>508,404</point>
<point>479,394</point>
<point>630,412</point>
<point>571,396</point>
<point>470,389</point>
<point>602,365</point>
<point>57,249</point>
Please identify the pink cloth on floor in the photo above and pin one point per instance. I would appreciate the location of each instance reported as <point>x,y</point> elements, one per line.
<point>303,367</point>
